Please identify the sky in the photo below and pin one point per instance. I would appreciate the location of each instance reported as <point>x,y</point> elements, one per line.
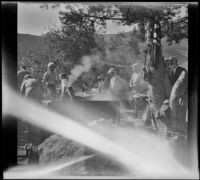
<point>37,21</point>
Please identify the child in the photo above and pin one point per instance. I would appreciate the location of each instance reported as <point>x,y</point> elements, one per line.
<point>65,93</point>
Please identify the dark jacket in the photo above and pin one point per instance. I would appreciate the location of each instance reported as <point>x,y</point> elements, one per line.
<point>174,75</point>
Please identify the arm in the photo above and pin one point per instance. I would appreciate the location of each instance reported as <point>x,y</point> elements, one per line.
<point>45,78</point>
<point>23,88</point>
<point>131,81</point>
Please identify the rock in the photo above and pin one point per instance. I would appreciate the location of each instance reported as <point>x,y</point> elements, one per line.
<point>56,149</point>
<point>102,166</point>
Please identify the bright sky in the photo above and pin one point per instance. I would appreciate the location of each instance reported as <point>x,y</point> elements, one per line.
<point>37,21</point>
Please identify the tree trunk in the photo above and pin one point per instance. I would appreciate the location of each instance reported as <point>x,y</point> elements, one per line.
<point>157,90</point>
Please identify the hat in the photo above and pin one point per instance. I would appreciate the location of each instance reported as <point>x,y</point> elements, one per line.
<point>51,64</point>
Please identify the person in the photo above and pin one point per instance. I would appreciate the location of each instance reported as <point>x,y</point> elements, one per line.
<point>168,85</point>
<point>65,89</point>
<point>31,88</point>
<point>136,82</point>
<point>20,75</point>
<point>118,86</point>
<point>174,70</point>
<point>178,98</point>
<point>32,154</point>
<point>50,80</point>
<point>106,83</point>
<point>100,82</point>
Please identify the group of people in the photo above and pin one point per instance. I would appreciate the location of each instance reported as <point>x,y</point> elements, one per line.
<point>31,87</point>
<point>119,87</point>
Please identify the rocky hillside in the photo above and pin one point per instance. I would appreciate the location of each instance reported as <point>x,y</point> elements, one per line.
<point>28,43</point>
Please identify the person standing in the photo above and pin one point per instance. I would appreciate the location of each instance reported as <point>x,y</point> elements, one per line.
<point>178,77</point>
<point>136,82</point>
<point>50,80</point>
<point>174,70</point>
<point>20,76</point>
<point>31,88</point>
<point>66,92</point>
<point>119,87</point>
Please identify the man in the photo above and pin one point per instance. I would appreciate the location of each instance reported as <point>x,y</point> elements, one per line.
<point>118,86</point>
<point>32,154</point>
<point>106,83</point>
<point>20,76</point>
<point>138,96</point>
<point>175,70</point>
<point>178,98</point>
<point>31,88</point>
<point>50,79</point>
<point>136,82</point>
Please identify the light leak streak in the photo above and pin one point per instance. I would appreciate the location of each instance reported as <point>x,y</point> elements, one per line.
<point>138,166</point>
<point>29,172</point>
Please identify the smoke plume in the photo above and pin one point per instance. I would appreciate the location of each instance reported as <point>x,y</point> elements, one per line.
<point>87,62</point>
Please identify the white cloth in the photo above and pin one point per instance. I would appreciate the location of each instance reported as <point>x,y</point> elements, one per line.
<point>64,84</point>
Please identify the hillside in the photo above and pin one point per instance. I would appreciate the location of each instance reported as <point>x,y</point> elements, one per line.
<point>28,43</point>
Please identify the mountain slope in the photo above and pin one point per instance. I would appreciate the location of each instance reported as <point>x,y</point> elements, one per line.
<point>29,43</point>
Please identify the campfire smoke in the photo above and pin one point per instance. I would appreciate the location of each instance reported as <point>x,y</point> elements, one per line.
<point>87,62</point>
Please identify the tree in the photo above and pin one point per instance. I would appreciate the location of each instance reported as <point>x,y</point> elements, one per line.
<point>76,37</point>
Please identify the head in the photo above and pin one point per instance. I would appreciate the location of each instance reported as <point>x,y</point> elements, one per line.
<point>51,66</point>
<point>63,76</point>
<point>23,67</point>
<point>166,62</point>
<point>28,76</point>
<point>173,62</point>
<point>135,67</point>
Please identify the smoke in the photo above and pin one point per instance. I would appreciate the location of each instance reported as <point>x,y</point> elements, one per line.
<point>87,62</point>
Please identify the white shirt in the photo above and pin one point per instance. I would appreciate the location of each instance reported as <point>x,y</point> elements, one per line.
<point>135,79</point>
<point>64,84</point>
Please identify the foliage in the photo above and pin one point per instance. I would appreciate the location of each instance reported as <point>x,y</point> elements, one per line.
<point>76,37</point>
